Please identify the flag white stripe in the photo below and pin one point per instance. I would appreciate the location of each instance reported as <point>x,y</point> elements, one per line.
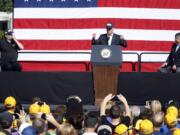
<point>104,12</point>
<point>86,34</point>
<point>60,57</point>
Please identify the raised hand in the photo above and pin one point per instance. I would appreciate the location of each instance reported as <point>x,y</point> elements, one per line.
<point>121,98</point>
<point>174,67</point>
<point>94,35</point>
<point>121,37</point>
<point>164,64</point>
<point>108,97</point>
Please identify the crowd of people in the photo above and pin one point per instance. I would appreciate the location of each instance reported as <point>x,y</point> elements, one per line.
<point>115,117</point>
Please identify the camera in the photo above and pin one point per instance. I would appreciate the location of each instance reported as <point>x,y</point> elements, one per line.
<point>43,116</point>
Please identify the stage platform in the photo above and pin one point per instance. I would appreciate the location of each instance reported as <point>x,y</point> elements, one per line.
<point>55,87</point>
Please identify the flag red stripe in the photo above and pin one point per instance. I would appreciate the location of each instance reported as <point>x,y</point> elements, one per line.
<point>52,66</point>
<point>57,66</point>
<point>140,3</point>
<point>95,23</point>
<point>86,45</point>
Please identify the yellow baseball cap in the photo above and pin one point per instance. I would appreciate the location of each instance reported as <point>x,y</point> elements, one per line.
<point>34,109</point>
<point>45,109</point>
<point>173,110</point>
<point>170,119</point>
<point>120,129</point>
<point>176,131</point>
<point>10,101</point>
<point>146,127</point>
<point>137,125</point>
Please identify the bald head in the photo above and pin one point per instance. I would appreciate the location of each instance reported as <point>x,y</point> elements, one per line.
<point>158,119</point>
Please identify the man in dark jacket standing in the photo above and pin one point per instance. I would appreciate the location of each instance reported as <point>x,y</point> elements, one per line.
<point>172,64</point>
<point>9,52</point>
<point>110,38</point>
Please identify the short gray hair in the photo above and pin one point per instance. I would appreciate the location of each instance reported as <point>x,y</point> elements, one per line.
<point>135,111</point>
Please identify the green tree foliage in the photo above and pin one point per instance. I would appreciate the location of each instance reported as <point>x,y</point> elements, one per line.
<point>1,34</point>
<point>6,6</point>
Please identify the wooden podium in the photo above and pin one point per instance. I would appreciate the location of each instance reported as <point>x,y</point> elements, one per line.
<point>106,61</point>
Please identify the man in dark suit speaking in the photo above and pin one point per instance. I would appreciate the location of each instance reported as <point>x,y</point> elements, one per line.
<point>172,63</point>
<point>110,38</point>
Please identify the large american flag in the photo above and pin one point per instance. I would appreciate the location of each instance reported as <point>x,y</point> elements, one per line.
<point>148,25</point>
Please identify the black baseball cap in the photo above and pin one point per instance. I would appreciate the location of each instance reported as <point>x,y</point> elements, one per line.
<point>6,120</point>
<point>8,32</point>
<point>109,26</point>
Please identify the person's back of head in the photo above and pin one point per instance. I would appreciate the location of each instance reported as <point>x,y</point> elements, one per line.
<point>74,112</point>
<point>37,99</point>
<point>10,103</point>
<point>176,131</point>
<point>158,119</point>
<point>121,129</point>
<point>91,120</point>
<point>135,111</point>
<point>28,130</point>
<point>66,129</point>
<point>173,109</point>
<point>171,120</point>
<point>39,125</point>
<point>74,105</point>
<point>115,111</point>
<point>146,127</point>
<point>34,109</point>
<point>6,120</point>
<point>104,130</point>
<point>156,106</point>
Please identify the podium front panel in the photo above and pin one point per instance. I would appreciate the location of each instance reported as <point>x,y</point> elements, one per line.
<point>112,55</point>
